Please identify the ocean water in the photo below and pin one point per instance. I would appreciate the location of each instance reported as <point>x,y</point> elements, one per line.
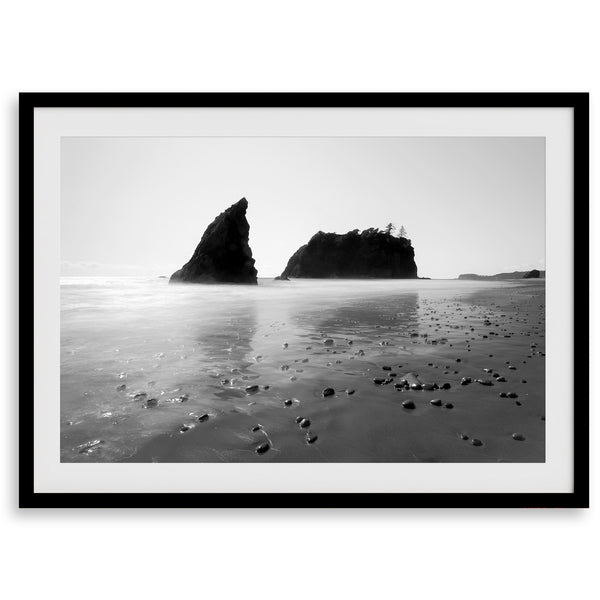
<point>194,349</point>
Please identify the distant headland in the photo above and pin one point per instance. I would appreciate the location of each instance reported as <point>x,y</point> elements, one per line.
<point>533,274</point>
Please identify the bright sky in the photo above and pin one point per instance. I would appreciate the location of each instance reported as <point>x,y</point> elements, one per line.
<point>139,206</point>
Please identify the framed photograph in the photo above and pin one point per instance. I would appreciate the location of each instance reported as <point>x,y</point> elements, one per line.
<point>304,300</point>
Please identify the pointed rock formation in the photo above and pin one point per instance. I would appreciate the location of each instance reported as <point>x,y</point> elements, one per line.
<point>370,254</point>
<point>223,254</point>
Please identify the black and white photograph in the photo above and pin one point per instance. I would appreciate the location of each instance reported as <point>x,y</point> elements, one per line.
<point>302,299</point>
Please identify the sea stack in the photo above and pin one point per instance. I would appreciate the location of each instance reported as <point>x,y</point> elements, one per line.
<point>223,254</point>
<point>370,254</point>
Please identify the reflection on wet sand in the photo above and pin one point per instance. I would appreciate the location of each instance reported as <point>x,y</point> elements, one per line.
<point>357,378</point>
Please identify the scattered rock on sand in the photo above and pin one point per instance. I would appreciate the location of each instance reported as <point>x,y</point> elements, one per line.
<point>518,436</point>
<point>311,438</point>
<point>328,392</point>
<point>350,392</point>
<point>408,404</point>
<point>476,442</point>
<point>121,388</point>
<point>436,402</point>
<point>262,448</point>
<point>512,395</point>
<point>203,418</point>
<point>466,381</point>
<point>484,382</point>
<point>252,389</point>
<point>304,423</point>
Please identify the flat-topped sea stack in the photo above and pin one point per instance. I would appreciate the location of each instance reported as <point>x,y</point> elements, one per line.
<point>223,254</point>
<point>353,255</point>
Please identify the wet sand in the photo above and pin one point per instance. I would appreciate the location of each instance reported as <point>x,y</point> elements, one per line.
<point>439,339</point>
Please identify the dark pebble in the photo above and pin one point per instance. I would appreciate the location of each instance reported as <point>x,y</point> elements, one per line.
<point>484,382</point>
<point>501,379</point>
<point>518,436</point>
<point>262,448</point>
<point>428,387</point>
<point>255,428</point>
<point>121,388</point>
<point>518,403</point>
<point>349,392</point>
<point>458,360</point>
<point>287,402</point>
<point>502,395</point>
<point>445,386</point>
<point>511,368</point>
<point>298,419</point>
<point>436,402</point>
<point>466,381</point>
<point>183,429</point>
<point>328,392</point>
<point>151,403</point>
<point>252,389</point>
<point>203,418</point>
<point>464,436</point>
<point>304,423</point>
<point>476,442</point>
<point>409,404</point>
<point>311,438</point>
<point>512,395</point>
<point>523,380</point>
<point>378,380</point>
<point>448,405</point>
<point>416,386</point>
<point>387,368</point>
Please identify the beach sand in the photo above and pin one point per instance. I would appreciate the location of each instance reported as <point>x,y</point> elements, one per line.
<point>440,338</point>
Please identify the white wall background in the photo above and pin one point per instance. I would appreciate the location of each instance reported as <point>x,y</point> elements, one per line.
<point>292,46</point>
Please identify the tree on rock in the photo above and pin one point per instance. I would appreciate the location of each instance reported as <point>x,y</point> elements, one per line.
<point>390,228</point>
<point>402,233</point>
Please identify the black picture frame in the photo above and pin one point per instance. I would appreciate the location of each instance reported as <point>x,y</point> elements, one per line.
<point>579,498</point>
